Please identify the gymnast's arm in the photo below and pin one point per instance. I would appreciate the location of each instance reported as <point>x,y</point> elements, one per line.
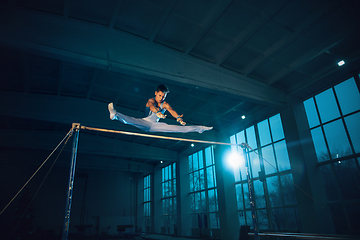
<point>174,113</point>
<point>170,110</point>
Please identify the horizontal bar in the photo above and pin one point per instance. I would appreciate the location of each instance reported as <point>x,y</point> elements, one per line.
<point>161,137</point>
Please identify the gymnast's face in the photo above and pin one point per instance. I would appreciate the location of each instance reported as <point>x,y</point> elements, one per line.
<point>160,96</point>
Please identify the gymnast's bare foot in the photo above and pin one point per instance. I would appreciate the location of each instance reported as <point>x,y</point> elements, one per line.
<point>112,111</point>
<point>205,129</point>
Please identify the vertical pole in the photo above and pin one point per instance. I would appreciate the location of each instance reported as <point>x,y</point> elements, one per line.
<point>76,128</point>
<point>252,204</point>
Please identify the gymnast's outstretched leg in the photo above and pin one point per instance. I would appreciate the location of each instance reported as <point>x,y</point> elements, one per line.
<point>136,122</point>
<point>163,127</point>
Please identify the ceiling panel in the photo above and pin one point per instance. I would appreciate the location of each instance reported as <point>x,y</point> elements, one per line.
<point>64,61</point>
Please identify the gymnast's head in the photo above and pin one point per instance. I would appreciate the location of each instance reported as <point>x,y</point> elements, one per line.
<point>161,92</point>
<point>163,88</point>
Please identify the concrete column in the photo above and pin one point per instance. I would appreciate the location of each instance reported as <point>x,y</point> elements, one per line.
<point>183,197</point>
<point>314,214</point>
<point>157,204</point>
<point>229,221</point>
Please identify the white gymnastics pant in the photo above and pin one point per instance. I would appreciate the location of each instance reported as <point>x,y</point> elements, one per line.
<point>150,124</point>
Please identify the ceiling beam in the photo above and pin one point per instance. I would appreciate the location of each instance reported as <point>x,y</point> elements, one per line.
<point>70,110</point>
<point>88,44</point>
<point>88,144</point>
<point>289,38</point>
<point>251,29</point>
<point>30,157</point>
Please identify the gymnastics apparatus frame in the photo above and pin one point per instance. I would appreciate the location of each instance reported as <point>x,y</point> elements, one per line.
<point>75,131</point>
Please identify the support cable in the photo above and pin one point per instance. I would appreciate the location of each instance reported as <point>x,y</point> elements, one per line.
<point>69,133</point>
<point>47,174</point>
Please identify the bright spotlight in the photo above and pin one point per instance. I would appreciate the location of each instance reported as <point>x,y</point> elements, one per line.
<point>161,161</point>
<point>342,62</point>
<point>243,117</point>
<point>192,145</point>
<point>235,160</point>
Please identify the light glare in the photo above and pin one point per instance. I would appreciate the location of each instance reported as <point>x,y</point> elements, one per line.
<point>235,160</point>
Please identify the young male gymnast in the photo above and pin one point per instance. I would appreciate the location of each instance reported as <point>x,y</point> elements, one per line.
<point>155,109</point>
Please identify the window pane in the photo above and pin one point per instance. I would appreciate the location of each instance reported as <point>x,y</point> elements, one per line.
<point>353,126</point>
<point>273,186</point>
<point>259,194</point>
<point>174,187</point>
<point>263,221</point>
<point>319,144</point>
<point>174,170</point>
<point>192,187</point>
<point>246,195</point>
<point>278,219</point>
<point>233,148</point>
<point>192,197</point>
<point>212,200</point>
<point>216,197</point>
<point>251,140</point>
<point>264,132</point>
<point>202,179</point>
<point>166,170</point>
<point>191,164</point>
<point>214,220</point>
<point>208,156</point>
<point>240,137</point>
<point>349,174</point>
<point>348,96</point>
<point>269,159</point>
<point>311,113</point>
<point>354,215</point>
<point>210,177</point>
<point>195,162</point>
<point>203,204</point>
<point>328,108</point>
<point>201,159</point>
<point>197,202</point>
<point>276,127</point>
<point>282,156</point>
<point>292,219</point>
<point>242,220</point>
<point>329,182</point>
<point>197,180</point>
<point>249,219</point>
<point>163,189</point>
<point>337,139</point>
<point>237,174</point>
<point>214,171</point>
<point>239,197</point>
<point>255,164</point>
<point>337,211</point>
<point>288,189</point>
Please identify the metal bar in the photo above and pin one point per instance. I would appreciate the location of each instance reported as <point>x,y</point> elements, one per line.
<point>252,204</point>
<point>157,136</point>
<point>76,129</point>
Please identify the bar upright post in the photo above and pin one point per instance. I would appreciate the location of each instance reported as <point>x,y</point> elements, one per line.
<point>251,193</point>
<point>76,129</point>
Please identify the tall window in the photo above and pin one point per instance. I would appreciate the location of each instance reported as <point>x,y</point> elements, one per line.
<point>168,197</point>
<point>147,202</point>
<point>203,191</point>
<point>334,121</point>
<point>269,170</point>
